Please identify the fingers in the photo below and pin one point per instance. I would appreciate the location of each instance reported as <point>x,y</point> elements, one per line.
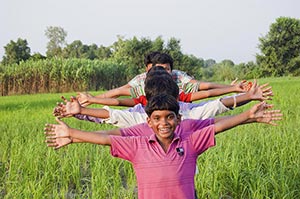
<point>64,99</point>
<point>52,143</point>
<point>59,121</point>
<point>234,81</point>
<point>273,115</point>
<point>72,99</point>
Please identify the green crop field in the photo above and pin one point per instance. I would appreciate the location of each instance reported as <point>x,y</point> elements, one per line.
<point>251,161</point>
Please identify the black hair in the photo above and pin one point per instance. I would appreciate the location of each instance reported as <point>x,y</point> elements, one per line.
<point>159,70</point>
<point>162,102</point>
<point>158,82</point>
<point>162,58</point>
<point>148,59</point>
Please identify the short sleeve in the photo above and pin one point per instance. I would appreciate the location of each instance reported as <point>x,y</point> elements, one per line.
<point>181,76</point>
<point>137,91</point>
<point>123,147</point>
<point>203,139</point>
<point>185,97</point>
<point>137,130</point>
<point>137,80</point>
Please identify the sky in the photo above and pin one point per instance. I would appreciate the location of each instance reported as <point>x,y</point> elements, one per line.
<point>207,29</point>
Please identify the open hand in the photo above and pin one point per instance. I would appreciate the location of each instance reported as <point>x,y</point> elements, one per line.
<point>261,114</point>
<point>83,98</point>
<point>68,109</point>
<point>57,135</point>
<point>263,92</point>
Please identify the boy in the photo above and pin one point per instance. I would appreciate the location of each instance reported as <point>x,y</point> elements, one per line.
<point>184,97</point>
<point>135,87</point>
<point>164,157</point>
<point>156,84</point>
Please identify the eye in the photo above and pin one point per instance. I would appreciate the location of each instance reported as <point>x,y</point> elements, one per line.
<point>156,119</point>
<point>170,117</point>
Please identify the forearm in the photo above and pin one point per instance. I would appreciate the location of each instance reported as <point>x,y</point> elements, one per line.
<point>95,112</point>
<point>239,100</point>
<point>104,101</point>
<point>211,85</point>
<point>212,93</point>
<point>110,132</point>
<point>121,91</point>
<point>89,137</point>
<point>226,123</point>
<point>112,101</point>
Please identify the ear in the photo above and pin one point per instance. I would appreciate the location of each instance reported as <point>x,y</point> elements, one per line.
<point>149,122</point>
<point>148,67</point>
<point>179,118</point>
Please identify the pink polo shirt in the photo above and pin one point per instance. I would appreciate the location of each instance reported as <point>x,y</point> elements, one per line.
<point>163,175</point>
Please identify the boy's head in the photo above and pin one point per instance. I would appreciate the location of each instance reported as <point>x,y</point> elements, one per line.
<point>163,59</point>
<point>148,59</point>
<point>163,116</point>
<point>158,81</point>
<point>162,102</point>
<point>158,58</point>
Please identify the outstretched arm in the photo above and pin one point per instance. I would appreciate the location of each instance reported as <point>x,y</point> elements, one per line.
<point>202,94</point>
<point>60,135</point>
<point>72,107</point>
<point>85,98</point>
<point>256,92</point>
<point>258,113</point>
<point>113,93</point>
<point>209,85</point>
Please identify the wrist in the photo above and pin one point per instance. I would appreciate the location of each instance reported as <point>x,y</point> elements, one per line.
<point>234,102</point>
<point>82,110</point>
<point>70,132</point>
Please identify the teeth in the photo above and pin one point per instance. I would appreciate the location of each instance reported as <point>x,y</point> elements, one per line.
<point>164,129</point>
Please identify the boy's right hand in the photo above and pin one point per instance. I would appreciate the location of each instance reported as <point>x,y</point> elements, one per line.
<point>57,135</point>
<point>68,109</point>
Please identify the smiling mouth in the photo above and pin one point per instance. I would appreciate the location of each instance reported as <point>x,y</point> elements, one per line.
<point>164,130</point>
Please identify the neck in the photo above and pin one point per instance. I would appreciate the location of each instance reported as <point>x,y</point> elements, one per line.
<point>165,143</point>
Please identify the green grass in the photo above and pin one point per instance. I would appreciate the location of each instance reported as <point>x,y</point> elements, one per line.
<point>251,161</point>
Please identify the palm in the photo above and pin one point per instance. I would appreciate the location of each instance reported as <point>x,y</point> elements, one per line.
<point>260,113</point>
<point>83,98</point>
<point>72,108</point>
<point>61,142</point>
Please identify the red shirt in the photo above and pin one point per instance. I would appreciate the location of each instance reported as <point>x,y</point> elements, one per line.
<point>183,97</point>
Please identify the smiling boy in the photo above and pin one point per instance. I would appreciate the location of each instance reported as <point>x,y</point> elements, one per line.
<point>165,152</point>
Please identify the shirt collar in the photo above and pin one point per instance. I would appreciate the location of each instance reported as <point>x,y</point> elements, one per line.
<point>152,138</point>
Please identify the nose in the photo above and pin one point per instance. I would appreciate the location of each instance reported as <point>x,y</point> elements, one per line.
<point>164,120</point>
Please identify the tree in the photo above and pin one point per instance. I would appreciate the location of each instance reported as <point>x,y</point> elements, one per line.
<point>103,52</point>
<point>75,50</point>
<point>224,71</point>
<point>280,48</point>
<point>209,62</point>
<point>57,37</point>
<point>173,48</point>
<point>16,52</point>
<point>37,56</point>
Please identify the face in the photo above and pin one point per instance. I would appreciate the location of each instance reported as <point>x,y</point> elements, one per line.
<point>167,67</point>
<point>163,123</point>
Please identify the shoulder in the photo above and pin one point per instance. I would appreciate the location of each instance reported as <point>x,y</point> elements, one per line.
<point>178,72</point>
<point>137,130</point>
<point>142,75</point>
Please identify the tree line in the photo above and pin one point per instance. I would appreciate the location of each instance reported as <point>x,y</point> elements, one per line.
<point>77,66</point>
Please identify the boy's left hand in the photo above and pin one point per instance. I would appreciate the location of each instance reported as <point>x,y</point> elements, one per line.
<point>260,113</point>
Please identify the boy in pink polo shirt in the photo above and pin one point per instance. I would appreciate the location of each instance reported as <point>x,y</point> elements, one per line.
<point>164,159</point>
